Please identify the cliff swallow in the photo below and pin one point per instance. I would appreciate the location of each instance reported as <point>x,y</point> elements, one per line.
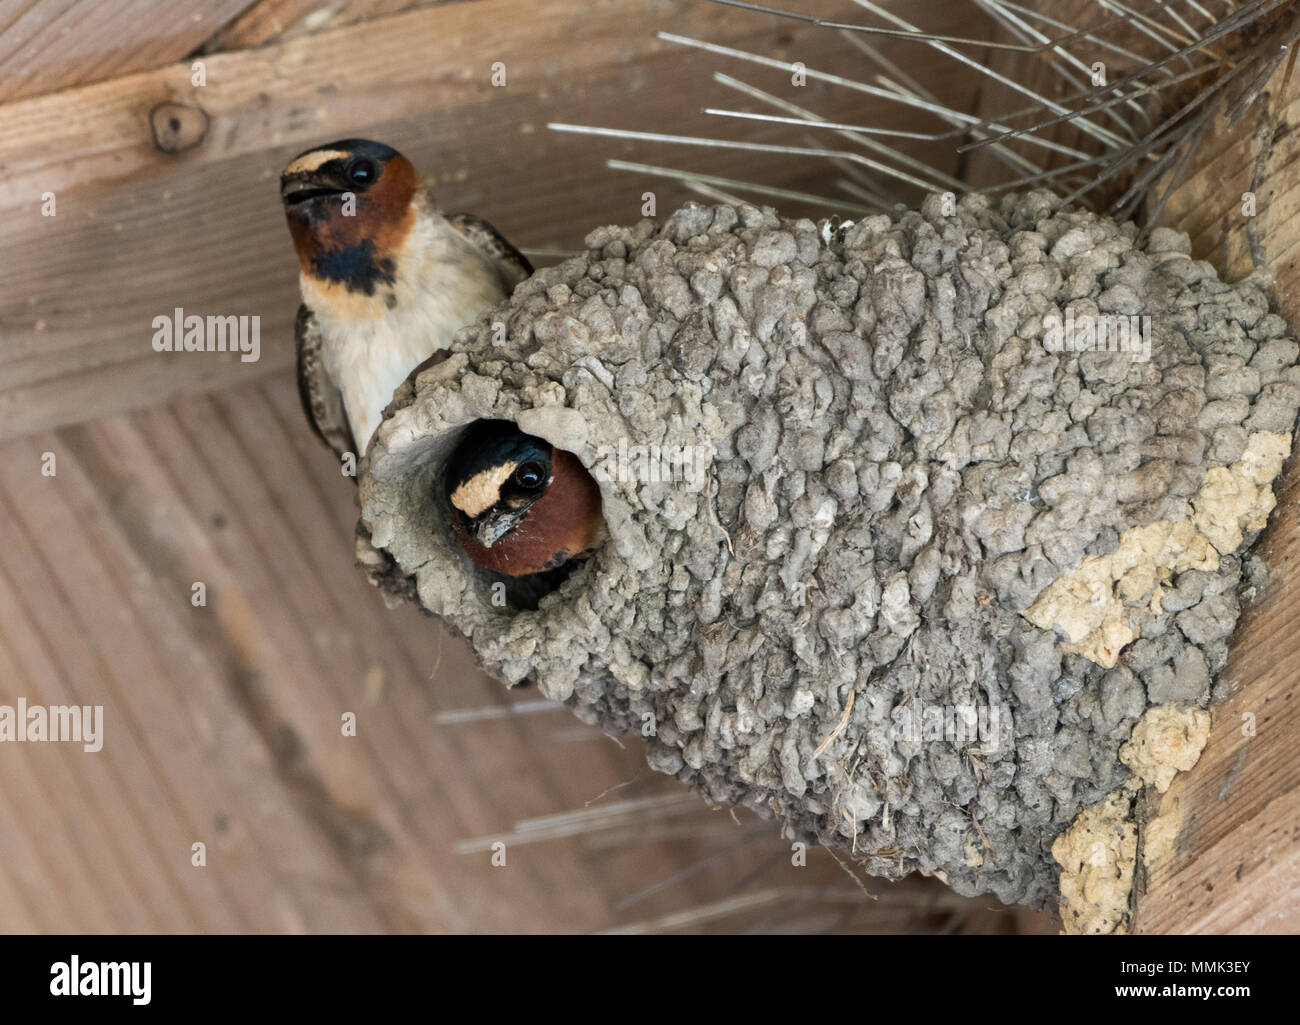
<point>518,505</point>
<point>386,280</point>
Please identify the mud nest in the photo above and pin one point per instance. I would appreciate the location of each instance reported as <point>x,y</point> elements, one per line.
<point>940,558</point>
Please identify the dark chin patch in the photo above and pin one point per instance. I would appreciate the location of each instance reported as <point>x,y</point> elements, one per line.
<point>355,267</point>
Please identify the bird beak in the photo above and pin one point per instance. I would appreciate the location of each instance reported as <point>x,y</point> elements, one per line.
<point>494,526</point>
<point>301,188</point>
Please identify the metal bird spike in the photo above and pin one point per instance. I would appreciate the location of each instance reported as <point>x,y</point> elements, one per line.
<point>1135,128</point>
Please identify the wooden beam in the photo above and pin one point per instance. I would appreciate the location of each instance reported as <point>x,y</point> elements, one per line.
<point>222,725</point>
<point>1236,862</point>
<point>272,20</point>
<point>140,230</point>
<point>57,44</point>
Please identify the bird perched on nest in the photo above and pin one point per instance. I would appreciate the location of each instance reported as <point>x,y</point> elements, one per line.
<point>386,280</point>
<point>520,507</point>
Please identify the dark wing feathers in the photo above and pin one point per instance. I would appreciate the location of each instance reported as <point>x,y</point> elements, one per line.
<point>513,264</point>
<point>323,405</point>
<point>321,400</point>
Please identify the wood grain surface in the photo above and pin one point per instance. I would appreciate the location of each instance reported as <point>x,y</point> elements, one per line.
<point>223,726</point>
<point>1236,864</point>
<point>223,721</point>
<point>139,232</point>
<point>48,45</point>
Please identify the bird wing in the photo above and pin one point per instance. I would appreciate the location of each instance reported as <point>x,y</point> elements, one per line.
<point>321,399</point>
<point>514,266</point>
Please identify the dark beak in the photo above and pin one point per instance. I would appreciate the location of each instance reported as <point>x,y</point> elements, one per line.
<point>302,188</point>
<point>495,525</point>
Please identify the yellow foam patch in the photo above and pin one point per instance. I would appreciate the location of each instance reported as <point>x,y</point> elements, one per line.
<point>1098,852</point>
<point>1097,855</point>
<point>1094,604</point>
<point>1099,605</point>
<point>1238,498</point>
<point>1167,740</point>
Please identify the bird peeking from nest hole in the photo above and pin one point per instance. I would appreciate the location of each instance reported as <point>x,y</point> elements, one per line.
<point>520,507</point>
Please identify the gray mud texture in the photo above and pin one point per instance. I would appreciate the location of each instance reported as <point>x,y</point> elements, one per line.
<point>895,468</point>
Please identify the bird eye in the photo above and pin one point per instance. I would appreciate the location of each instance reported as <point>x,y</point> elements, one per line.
<point>361,171</point>
<point>530,475</point>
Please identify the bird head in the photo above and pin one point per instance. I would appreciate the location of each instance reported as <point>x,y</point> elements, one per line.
<point>350,208</point>
<point>518,505</point>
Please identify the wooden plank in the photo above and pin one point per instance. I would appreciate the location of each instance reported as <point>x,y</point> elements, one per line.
<point>139,232</point>
<point>1236,861</point>
<point>225,719</point>
<point>50,45</point>
<point>112,904</point>
<point>270,20</point>
<point>1209,207</point>
<point>79,676</point>
<point>1236,864</point>
<point>222,724</point>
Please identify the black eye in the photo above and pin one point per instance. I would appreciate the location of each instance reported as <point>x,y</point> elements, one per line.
<point>530,475</point>
<point>362,171</point>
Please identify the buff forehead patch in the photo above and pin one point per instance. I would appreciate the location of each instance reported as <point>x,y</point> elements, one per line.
<point>482,491</point>
<point>312,161</point>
